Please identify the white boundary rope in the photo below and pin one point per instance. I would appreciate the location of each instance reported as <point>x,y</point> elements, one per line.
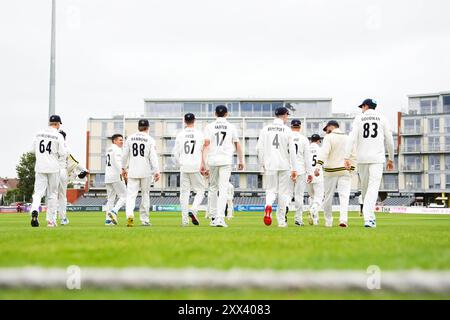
<point>143,278</point>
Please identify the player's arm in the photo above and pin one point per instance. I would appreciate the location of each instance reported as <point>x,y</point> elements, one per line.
<point>154,161</point>
<point>292,157</point>
<point>238,146</point>
<point>206,145</point>
<point>389,141</point>
<point>63,151</point>
<point>308,162</point>
<point>33,145</point>
<point>353,137</point>
<point>125,159</point>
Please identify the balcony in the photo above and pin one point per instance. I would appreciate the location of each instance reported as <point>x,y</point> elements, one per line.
<point>412,149</point>
<point>436,148</point>
<point>411,131</point>
<point>389,187</point>
<point>412,168</point>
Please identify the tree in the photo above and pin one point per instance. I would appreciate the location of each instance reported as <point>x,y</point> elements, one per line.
<point>13,195</point>
<point>26,175</point>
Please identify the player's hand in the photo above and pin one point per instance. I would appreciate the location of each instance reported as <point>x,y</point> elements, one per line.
<point>317,172</point>
<point>309,179</point>
<point>157,176</point>
<point>294,175</point>
<point>390,165</point>
<point>347,164</point>
<point>240,166</point>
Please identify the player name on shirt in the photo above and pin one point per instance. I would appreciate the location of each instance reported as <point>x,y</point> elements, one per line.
<point>221,126</point>
<point>370,118</point>
<point>279,129</point>
<point>140,139</point>
<point>189,136</point>
<point>47,136</point>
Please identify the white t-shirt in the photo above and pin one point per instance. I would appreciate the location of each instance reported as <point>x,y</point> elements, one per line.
<point>371,132</point>
<point>139,156</point>
<point>314,152</point>
<point>113,167</point>
<point>302,150</point>
<point>276,148</point>
<point>222,135</point>
<point>49,147</point>
<point>188,150</point>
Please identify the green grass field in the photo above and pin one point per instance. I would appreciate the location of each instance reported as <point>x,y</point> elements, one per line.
<point>399,243</point>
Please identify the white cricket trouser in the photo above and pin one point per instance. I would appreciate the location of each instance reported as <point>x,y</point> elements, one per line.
<point>218,183</point>
<point>343,185</point>
<point>230,208</point>
<point>278,183</point>
<point>46,183</point>
<point>191,181</point>
<point>315,191</point>
<point>298,190</point>
<point>133,187</point>
<point>370,175</point>
<point>115,190</point>
<point>62,193</point>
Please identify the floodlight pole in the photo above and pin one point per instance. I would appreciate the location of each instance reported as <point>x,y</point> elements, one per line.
<point>51,107</point>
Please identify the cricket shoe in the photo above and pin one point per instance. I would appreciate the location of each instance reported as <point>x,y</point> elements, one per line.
<point>108,223</point>
<point>35,219</point>
<point>370,224</point>
<point>113,216</point>
<point>299,223</point>
<point>282,225</point>
<point>51,224</point>
<point>194,219</point>
<point>64,222</point>
<point>268,215</point>
<point>221,223</point>
<point>328,224</point>
<point>343,225</point>
<point>130,222</point>
<point>146,224</point>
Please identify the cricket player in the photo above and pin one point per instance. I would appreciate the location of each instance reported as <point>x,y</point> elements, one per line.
<point>69,169</point>
<point>114,181</point>
<point>140,167</point>
<point>277,155</point>
<point>336,176</point>
<point>49,147</point>
<point>230,206</point>
<point>370,135</point>
<point>221,139</point>
<point>188,154</point>
<point>305,174</point>
<point>315,188</point>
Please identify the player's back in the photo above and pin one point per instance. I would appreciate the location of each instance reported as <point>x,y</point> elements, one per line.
<point>315,151</point>
<point>138,150</point>
<point>113,164</point>
<point>370,146</point>
<point>300,144</point>
<point>47,148</point>
<point>273,145</point>
<point>222,136</point>
<point>189,144</point>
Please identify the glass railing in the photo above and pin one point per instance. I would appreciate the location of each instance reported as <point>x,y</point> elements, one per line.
<point>411,130</point>
<point>413,167</point>
<point>412,148</point>
<point>389,186</point>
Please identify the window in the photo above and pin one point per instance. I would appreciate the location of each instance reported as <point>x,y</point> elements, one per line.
<point>169,145</point>
<point>433,144</point>
<point>194,108</point>
<point>412,163</point>
<point>434,163</point>
<point>99,180</point>
<point>235,180</point>
<point>434,181</point>
<point>246,109</point>
<point>172,128</point>
<point>447,181</point>
<point>254,128</point>
<point>118,127</point>
<point>169,163</point>
<point>173,180</point>
<point>254,181</point>
<point>412,126</point>
<point>433,125</point>
<point>234,110</point>
<point>428,106</point>
<point>413,181</point>
<point>447,124</point>
<point>447,162</point>
<point>446,102</point>
<point>251,162</point>
<point>257,109</point>
<point>267,110</point>
<point>447,143</point>
<point>412,144</point>
<point>348,127</point>
<point>250,146</point>
<point>390,182</point>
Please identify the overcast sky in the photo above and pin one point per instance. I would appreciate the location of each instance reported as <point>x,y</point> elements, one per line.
<point>111,54</point>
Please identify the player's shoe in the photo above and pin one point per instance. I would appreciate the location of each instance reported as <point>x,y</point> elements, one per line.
<point>328,224</point>
<point>343,225</point>
<point>310,219</point>
<point>130,222</point>
<point>146,224</point>
<point>286,214</point>
<point>282,225</point>
<point>112,216</point>
<point>108,223</point>
<point>35,219</point>
<point>212,223</point>
<point>268,215</point>
<point>370,224</point>
<point>51,224</point>
<point>194,219</point>
<point>299,223</point>
<point>64,222</point>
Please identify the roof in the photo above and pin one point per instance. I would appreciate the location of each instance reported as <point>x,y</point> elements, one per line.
<point>236,99</point>
<point>7,184</point>
<point>429,94</point>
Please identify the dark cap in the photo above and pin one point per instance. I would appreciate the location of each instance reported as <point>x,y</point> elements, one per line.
<point>281,111</point>
<point>188,117</point>
<point>55,118</point>
<point>315,137</point>
<point>370,102</point>
<point>296,123</point>
<point>221,110</point>
<point>331,123</point>
<point>144,123</point>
